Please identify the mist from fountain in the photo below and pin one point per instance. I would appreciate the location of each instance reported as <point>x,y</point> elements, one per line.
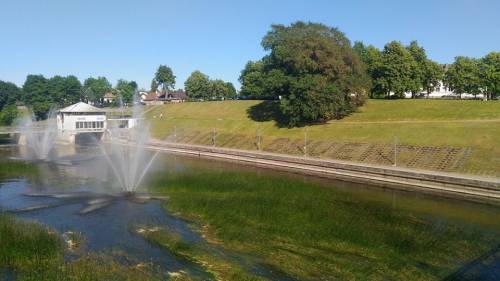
<point>39,139</point>
<point>126,153</point>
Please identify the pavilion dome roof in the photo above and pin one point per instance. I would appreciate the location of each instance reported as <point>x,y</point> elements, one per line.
<point>80,107</point>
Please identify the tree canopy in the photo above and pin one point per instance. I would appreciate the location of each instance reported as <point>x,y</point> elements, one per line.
<point>36,95</point>
<point>463,76</point>
<point>126,91</point>
<point>95,88</point>
<point>490,74</point>
<point>312,68</point>
<point>64,90</point>
<point>165,78</point>
<point>9,93</point>
<point>199,86</point>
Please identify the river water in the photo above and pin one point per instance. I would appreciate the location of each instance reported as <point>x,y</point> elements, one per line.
<point>64,187</point>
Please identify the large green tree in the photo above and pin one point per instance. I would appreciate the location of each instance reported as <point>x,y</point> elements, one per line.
<point>463,76</point>
<point>165,78</point>
<point>95,88</point>
<point>372,57</point>
<point>198,86</point>
<point>252,80</point>
<point>418,73</point>
<point>230,91</point>
<point>432,77</point>
<point>36,95</point>
<point>314,71</point>
<point>126,90</point>
<point>490,74</point>
<point>9,93</point>
<point>397,70</point>
<point>64,90</point>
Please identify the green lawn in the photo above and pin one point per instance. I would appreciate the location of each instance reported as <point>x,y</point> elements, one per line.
<point>472,128</point>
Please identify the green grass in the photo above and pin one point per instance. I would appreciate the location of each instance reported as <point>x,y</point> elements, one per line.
<point>435,123</point>
<point>35,252</point>
<point>311,231</point>
<point>15,169</point>
<point>218,266</point>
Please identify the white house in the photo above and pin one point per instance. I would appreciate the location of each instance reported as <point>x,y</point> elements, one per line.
<point>443,92</point>
<point>80,118</point>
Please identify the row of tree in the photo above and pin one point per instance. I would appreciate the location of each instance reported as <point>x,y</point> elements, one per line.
<point>316,75</point>
<point>199,86</point>
<point>399,69</point>
<point>475,76</point>
<point>41,94</point>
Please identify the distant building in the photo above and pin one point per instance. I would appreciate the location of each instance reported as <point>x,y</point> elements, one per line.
<point>143,95</point>
<point>80,118</point>
<point>176,96</point>
<point>109,98</point>
<point>154,98</point>
<point>443,92</point>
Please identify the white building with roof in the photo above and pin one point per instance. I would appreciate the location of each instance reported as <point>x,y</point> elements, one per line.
<point>80,118</point>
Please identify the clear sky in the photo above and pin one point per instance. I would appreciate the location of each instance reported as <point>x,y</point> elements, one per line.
<point>129,39</point>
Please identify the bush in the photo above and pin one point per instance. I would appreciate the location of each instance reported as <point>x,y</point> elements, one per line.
<point>8,115</point>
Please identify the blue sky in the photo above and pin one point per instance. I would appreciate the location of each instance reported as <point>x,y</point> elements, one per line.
<point>129,39</point>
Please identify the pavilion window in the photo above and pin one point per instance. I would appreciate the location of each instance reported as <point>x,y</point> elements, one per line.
<point>93,125</point>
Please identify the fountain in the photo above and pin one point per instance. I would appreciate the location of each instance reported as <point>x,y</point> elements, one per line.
<point>123,152</point>
<point>39,140</point>
<point>126,153</point>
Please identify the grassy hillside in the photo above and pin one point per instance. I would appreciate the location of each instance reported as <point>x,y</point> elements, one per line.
<point>448,135</point>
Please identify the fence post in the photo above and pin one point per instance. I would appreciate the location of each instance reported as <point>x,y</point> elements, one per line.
<point>175,133</point>
<point>213,137</point>
<point>305,142</point>
<point>395,151</point>
<point>259,144</point>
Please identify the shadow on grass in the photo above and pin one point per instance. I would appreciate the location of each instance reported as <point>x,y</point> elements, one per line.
<point>268,110</point>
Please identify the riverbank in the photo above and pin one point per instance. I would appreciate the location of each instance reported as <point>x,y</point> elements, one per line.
<point>474,188</point>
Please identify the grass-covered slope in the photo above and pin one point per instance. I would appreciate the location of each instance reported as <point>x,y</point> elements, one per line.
<point>447,135</point>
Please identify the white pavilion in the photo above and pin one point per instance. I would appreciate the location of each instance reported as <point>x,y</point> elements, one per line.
<point>80,118</point>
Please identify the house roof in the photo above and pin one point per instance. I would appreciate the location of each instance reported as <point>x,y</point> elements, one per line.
<point>179,94</point>
<point>80,107</point>
<point>151,96</point>
<point>109,95</point>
